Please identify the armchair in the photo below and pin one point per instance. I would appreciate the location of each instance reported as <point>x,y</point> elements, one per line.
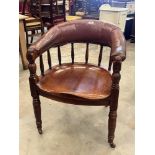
<point>78,83</point>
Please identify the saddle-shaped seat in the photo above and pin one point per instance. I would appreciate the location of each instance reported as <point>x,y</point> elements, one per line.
<point>85,81</point>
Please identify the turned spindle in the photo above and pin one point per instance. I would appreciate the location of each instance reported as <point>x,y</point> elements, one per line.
<point>87,53</point>
<point>59,55</point>
<point>41,65</point>
<point>100,55</point>
<point>110,64</point>
<point>72,52</point>
<point>49,59</point>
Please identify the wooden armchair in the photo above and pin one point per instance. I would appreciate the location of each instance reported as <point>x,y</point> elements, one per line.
<point>76,82</point>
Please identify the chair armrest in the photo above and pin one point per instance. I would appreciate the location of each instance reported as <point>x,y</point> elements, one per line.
<point>118,46</point>
<point>82,31</point>
<point>43,43</point>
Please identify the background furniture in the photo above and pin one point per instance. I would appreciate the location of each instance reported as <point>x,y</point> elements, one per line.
<point>53,12</point>
<point>133,31</point>
<point>22,41</point>
<point>129,27</point>
<point>33,24</point>
<point>86,8</point>
<point>113,15</point>
<point>69,18</point>
<point>78,83</point>
<point>21,5</point>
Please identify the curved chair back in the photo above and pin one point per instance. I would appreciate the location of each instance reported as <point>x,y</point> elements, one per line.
<point>81,31</point>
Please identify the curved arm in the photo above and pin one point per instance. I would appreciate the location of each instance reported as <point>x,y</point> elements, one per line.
<point>82,31</point>
<point>118,46</point>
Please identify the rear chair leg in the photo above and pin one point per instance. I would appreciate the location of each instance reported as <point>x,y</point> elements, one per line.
<point>37,112</point>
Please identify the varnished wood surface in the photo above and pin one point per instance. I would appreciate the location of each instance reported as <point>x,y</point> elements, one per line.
<point>22,17</point>
<point>86,81</point>
<point>77,83</point>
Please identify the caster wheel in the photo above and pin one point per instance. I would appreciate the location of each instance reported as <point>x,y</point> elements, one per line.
<point>40,131</point>
<point>112,145</point>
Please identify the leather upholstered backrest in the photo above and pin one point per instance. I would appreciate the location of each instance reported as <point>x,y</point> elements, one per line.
<point>82,31</point>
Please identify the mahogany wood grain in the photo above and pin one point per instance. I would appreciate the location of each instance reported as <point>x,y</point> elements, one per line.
<point>86,81</point>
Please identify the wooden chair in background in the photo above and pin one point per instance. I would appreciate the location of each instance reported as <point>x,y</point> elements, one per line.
<point>34,23</point>
<point>78,83</point>
<point>53,12</point>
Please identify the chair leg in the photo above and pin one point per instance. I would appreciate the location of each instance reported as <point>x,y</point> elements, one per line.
<point>114,102</point>
<point>111,127</point>
<point>37,113</point>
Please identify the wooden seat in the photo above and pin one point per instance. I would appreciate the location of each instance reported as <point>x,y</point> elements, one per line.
<point>85,81</point>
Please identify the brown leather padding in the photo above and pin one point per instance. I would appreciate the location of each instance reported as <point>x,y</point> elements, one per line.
<point>82,31</point>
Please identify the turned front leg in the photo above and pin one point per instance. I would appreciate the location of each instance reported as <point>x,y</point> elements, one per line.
<point>34,93</point>
<point>113,115</point>
<point>111,127</point>
<point>37,113</point>
<point>114,102</point>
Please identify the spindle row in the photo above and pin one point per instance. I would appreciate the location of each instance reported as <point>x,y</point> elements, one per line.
<point>72,57</point>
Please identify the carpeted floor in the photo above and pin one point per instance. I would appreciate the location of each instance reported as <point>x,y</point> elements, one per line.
<point>78,130</point>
